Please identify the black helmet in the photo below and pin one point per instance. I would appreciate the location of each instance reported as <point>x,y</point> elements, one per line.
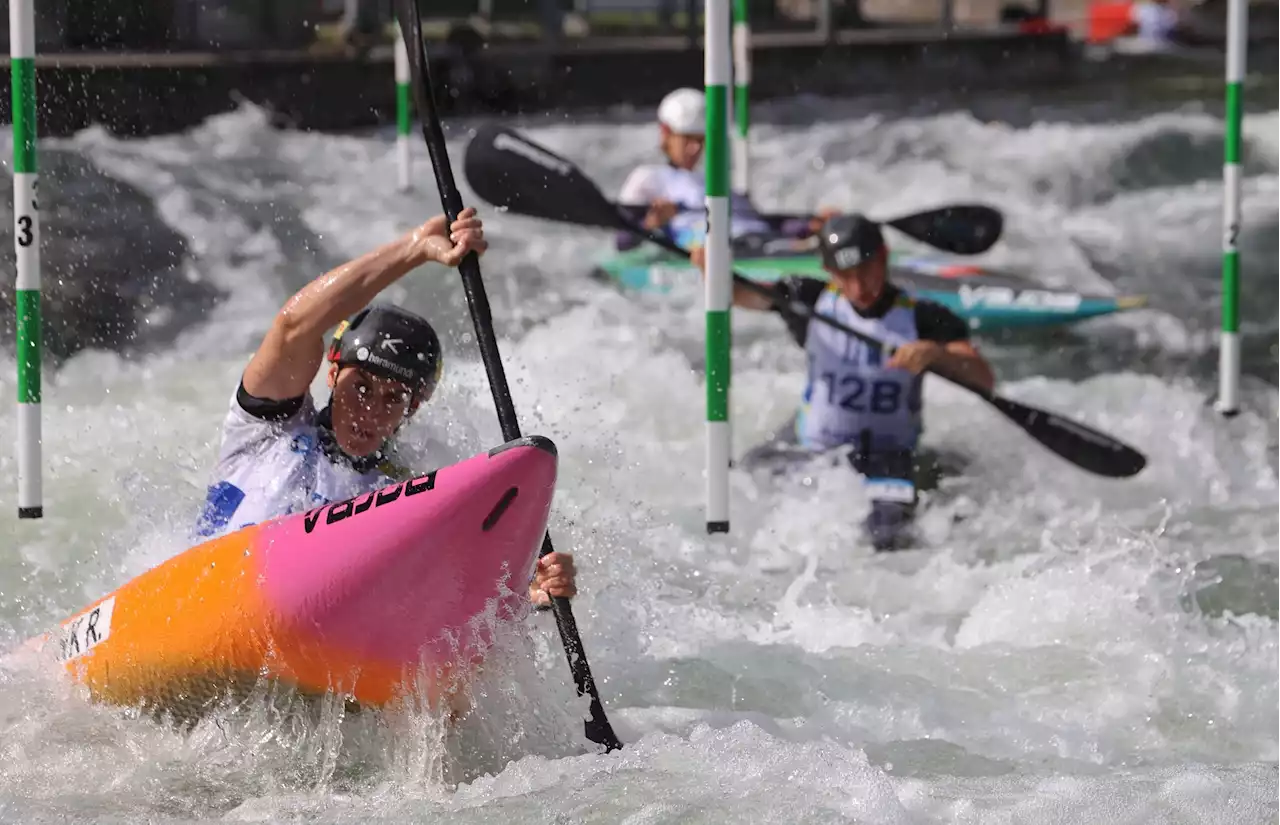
<point>848,240</point>
<point>392,343</point>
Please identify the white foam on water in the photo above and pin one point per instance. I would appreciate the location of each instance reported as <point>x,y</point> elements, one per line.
<point>1043,660</point>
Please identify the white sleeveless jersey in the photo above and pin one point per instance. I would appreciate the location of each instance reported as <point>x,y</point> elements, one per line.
<point>268,469</point>
<point>849,391</point>
<point>647,184</point>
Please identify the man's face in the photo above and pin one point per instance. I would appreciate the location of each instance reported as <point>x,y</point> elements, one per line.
<point>683,150</point>
<point>862,284</point>
<point>367,409</point>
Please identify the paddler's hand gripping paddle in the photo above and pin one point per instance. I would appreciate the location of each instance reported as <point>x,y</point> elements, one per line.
<point>598,729</point>
<point>509,170</point>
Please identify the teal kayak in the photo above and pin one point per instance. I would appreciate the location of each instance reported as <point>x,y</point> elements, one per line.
<point>987,299</point>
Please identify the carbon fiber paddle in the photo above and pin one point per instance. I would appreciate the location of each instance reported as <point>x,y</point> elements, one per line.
<point>510,171</point>
<point>598,729</point>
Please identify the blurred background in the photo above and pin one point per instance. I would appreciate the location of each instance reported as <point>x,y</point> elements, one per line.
<point>177,25</point>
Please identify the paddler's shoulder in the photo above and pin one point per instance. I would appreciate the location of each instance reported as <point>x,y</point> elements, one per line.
<point>642,185</point>
<point>935,322</point>
<point>802,288</point>
<point>270,411</point>
<point>645,170</point>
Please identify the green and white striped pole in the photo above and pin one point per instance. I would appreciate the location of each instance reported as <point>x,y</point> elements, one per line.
<point>404,114</point>
<point>719,285</point>
<point>741,98</point>
<point>1228,403</point>
<point>26,245</point>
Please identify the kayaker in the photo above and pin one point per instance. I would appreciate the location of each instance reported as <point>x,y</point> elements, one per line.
<point>856,402</point>
<point>676,194</point>
<point>280,455</point>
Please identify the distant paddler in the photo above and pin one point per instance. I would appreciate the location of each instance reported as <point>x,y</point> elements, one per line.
<point>280,455</point>
<point>675,193</point>
<point>856,404</point>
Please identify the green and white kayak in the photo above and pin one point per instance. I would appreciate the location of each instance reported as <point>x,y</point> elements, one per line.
<point>987,299</point>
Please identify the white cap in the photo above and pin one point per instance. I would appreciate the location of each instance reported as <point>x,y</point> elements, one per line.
<point>684,112</point>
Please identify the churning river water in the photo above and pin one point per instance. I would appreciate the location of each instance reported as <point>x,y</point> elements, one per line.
<point>1065,649</point>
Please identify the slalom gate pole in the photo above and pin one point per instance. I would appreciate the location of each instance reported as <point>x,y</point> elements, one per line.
<point>741,98</point>
<point>26,245</point>
<point>1228,403</point>
<point>719,284</point>
<point>404,115</point>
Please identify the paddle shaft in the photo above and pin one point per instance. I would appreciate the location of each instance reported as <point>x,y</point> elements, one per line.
<point>598,729</point>
<point>638,212</point>
<point>509,170</point>
<point>977,231</point>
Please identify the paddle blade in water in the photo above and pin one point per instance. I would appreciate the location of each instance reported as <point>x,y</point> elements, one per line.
<point>964,229</point>
<point>1083,446</point>
<point>508,170</point>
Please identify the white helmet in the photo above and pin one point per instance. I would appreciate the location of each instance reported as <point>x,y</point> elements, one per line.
<point>684,112</point>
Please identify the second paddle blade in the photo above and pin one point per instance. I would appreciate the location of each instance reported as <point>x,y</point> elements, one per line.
<point>964,229</point>
<point>508,170</point>
<point>1083,446</point>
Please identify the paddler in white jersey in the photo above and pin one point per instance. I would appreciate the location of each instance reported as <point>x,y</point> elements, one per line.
<point>855,401</point>
<point>280,455</point>
<point>675,193</point>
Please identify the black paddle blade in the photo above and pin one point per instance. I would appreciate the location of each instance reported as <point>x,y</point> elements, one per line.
<point>964,229</point>
<point>508,170</point>
<point>1083,446</point>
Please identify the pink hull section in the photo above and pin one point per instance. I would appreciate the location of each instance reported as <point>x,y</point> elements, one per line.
<point>382,576</point>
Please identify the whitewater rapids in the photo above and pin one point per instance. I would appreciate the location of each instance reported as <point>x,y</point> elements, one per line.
<point>1068,649</point>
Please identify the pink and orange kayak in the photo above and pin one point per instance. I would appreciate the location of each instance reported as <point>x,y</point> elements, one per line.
<point>360,597</point>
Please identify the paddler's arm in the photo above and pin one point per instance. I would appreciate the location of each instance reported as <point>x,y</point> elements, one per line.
<point>642,188</point>
<point>656,219</point>
<point>290,354</point>
<point>957,359</point>
<point>944,346</point>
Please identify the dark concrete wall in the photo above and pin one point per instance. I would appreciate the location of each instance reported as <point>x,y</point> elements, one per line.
<point>135,94</point>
